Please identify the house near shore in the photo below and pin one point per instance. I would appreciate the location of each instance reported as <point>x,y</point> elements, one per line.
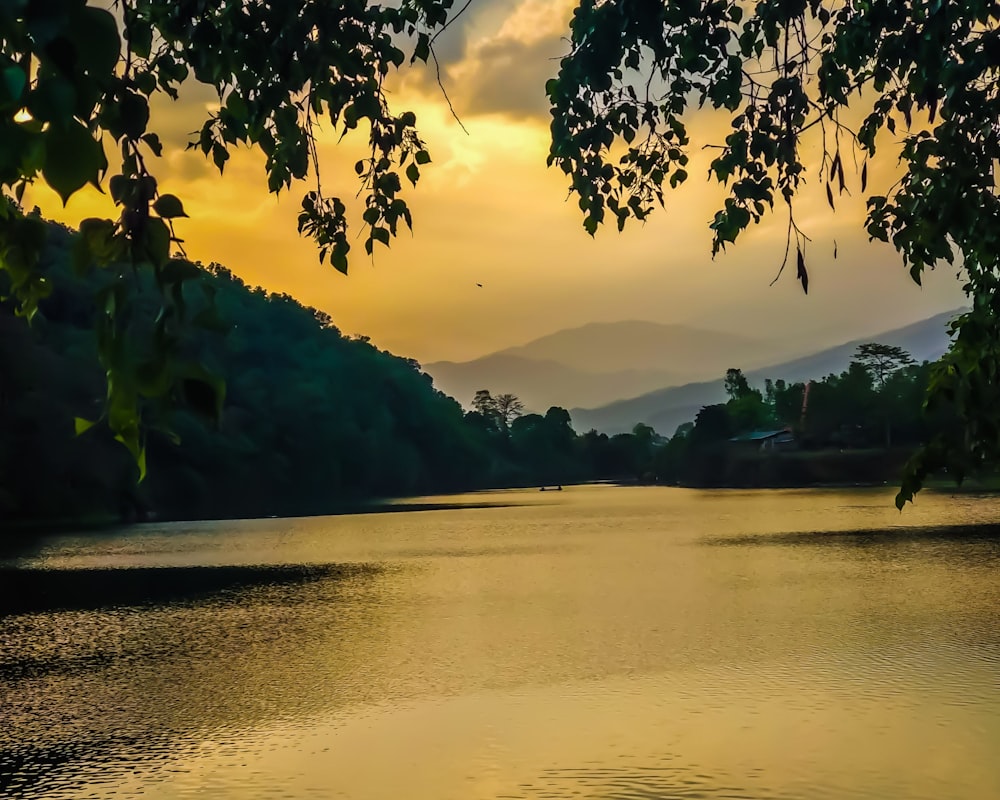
<point>765,441</point>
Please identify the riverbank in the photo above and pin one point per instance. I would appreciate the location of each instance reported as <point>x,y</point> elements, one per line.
<point>786,470</point>
<point>796,469</point>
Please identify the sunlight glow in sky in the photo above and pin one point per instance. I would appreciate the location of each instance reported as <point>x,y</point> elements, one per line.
<point>489,212</point>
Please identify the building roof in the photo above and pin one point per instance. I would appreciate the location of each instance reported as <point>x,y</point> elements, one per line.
<point>760,436</point>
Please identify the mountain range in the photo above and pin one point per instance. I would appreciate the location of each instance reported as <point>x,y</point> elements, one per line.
<point>613,375</point>
<point>602,362</point>
<point>666,408</point>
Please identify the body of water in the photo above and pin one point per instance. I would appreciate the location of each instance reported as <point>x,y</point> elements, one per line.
<point>599,642</point>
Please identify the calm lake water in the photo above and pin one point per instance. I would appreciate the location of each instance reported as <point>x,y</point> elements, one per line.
<point>599,642</point>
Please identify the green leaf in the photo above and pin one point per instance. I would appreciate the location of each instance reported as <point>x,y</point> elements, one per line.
<point>800,271</point>
<point>53,100</point>
<point>153,143</point>
<point>339,258</point>
<point>98,45</point>
<point>72,159</point>
<point>413,173</point>
<point>237,106</point>
<point>422,157</point>
<point>423,49</point>
<point>96,243</point>
<point>169,206</point>
<point>134,112</point>
<point>81,425</point>
<point>140,37</point>
<point>156,241</point>
<point>14,83</point>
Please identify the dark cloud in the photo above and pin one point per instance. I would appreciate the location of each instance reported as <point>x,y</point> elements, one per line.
<point>487,68</point>
<point>508,76</point>
<point>451,45</point>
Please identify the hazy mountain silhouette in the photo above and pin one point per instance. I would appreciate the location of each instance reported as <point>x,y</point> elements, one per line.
<point>542,383</point>
<point>667,408</point>
<point>601,362</point>
<point>632,345</point>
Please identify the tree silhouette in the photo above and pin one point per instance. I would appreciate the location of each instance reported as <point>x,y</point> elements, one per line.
<point>736,384</point>
<point>508,408</point>
<point>882,360</point>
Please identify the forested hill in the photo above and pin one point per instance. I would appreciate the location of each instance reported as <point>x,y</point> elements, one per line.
<point>311,417</point>
<point>312,421</point>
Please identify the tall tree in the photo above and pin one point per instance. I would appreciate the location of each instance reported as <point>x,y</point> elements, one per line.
<point>882,360</point>
<point>736,384</point>
<point>483,403</point>
<point>508,408</point>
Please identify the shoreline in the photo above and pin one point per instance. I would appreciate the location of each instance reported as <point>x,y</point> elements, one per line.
<point>22,531</point>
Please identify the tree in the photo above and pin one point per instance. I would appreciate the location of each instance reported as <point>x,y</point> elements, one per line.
<point>684,429</point>
<point>921,78</point>
<point>788,405</point>
<point>746,407</point>
<point>548,446</point>
<point>502,409</point>
<point>508,408</point>
<point>77,82</point>
<point>313,419</point>
<point>737,386</point>
<point>484,404</point>
<point>711,425</point>
<point>882,361</point>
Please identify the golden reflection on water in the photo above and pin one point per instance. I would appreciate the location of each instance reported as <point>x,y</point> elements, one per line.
<point>605,643</point>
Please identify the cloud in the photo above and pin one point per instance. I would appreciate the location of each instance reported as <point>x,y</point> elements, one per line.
<point>497,60</point>
<point>488,211</point>
<point>507,76</point>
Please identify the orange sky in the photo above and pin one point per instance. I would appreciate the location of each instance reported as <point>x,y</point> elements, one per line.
<point>488,211</point>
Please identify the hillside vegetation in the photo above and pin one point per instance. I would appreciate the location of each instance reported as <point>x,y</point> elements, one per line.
<point>311,421</point>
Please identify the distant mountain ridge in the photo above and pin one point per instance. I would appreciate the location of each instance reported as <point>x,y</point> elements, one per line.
<point>601,362</point>
<point>665,409</point>
<point>540,383</point>
<point>602,347</point>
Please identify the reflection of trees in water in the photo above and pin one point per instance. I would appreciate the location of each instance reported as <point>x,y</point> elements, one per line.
<point>81,589</point>
<point>85,688</point>
<point>975,545</point>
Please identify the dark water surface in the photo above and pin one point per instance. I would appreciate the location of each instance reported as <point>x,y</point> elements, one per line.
<point>596,643</point>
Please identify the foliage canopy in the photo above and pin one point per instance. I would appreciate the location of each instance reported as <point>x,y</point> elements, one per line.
<point>918,82</point>
<point>76,81</point>
<point>314,421</point>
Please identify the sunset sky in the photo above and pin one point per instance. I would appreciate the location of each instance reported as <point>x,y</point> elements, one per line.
<point>488,211</point>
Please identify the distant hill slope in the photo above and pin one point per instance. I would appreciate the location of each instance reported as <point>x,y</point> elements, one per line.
<point>665,409</point>
<point>603,362</point>
<point>540,384</point>
<point>633,345</point>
